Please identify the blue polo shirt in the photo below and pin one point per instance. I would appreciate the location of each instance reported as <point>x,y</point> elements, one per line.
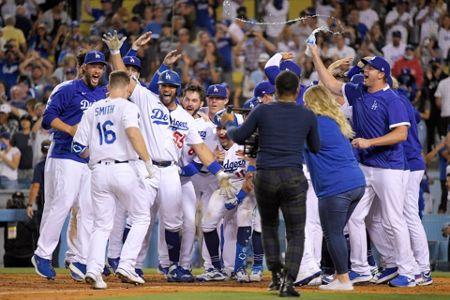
<point>375,115</point>
<point>334,169</point>
<point>68,101</point>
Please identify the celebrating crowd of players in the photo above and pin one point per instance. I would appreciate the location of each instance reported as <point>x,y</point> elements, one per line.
<point>168,153</point>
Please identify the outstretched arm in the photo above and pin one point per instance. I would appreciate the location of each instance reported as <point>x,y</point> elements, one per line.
<point>325,77</point>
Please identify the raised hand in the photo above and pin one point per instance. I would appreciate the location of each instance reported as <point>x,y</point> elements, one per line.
<point>142,40</point>
<point>113,42</point>
<point>172,57</point>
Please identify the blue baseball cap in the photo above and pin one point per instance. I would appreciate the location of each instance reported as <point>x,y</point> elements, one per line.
<point>94,57</point>
<point>263,88</point>
<point>289,65</point>
<point>216,90</point>
<point>380,64</point>
<point>132,61</point>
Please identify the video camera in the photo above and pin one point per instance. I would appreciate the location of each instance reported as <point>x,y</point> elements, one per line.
<point>251,144</point>
<point>17,201</point>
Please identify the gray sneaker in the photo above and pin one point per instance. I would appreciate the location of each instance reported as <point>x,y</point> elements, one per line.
<point>212,274</point>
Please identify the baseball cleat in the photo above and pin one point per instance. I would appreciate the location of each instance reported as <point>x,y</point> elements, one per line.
<point>327,278</point>
<point>139,272</point>
<point>106,271</point>
<point>129,276</point>
<point>96,281</point>
<point>385,275</point>
<point>358,278</point>
<point>315,282</point>
<point>212,274</point>
<point>187,275</point>
<point>336,285</point>
<point>77,271</point>
<point>163,270</point>
<point>304,279</point>
<point>242,276</point>
<point>424,278</point>
<point>402,281</point>
<point>43,267</point>
<point>256,275</point>
<point>113,263</point>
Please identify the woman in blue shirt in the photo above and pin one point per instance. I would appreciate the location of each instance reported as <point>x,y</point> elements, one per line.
<point>336,177</point>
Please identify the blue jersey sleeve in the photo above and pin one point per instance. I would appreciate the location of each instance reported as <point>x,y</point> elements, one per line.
<point>153,85</point>
<point>272,67</point>
<point>397,113</point>
<point>55,107</point>
<point>352,91</point>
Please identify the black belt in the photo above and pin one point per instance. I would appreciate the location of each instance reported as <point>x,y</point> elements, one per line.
<point>204,172</point>
<point>114,162</point>
<point>163,164</point>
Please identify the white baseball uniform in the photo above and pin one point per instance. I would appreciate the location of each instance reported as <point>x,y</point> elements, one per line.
<point>113,162</point>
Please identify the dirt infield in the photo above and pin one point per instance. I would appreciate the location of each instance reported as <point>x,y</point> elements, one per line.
<point>30,286</point>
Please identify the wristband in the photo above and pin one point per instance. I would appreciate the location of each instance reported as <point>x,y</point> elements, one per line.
<point>114,52</point>
<point>214,167</point>
<point>241,195</point>
<point>251,168</point>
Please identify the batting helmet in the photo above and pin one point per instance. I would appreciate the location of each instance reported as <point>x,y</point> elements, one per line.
<point>169,77</point>
<point>218,116</point>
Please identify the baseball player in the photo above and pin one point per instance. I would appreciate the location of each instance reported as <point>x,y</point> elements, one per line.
<point>204,183</point>
<point>109,133</point>
<point>133,65</point>
<point>239,205</point>
<point>416,164</point>
<point>380,122</point>
<point>166,128</point>
<point>67,176</point>
<point>263,93</point>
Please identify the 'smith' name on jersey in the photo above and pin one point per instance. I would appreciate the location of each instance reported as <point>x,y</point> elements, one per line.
<point>99,111</point>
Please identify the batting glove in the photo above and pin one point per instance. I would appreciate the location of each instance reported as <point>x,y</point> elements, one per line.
<point>113,42</point>
<point>223,179</point>
<point>149,167</point>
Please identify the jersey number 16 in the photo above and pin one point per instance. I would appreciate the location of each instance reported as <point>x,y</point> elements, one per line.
<point>105,133</point>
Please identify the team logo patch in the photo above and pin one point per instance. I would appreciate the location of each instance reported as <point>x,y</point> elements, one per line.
<point>85,104</point>
<point>374,105</point>
<point>159,117</point>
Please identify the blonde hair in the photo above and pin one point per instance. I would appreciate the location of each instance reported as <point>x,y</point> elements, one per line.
<point>319,99</point>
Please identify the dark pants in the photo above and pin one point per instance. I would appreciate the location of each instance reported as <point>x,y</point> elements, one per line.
<point>283,188</point>
<point>334,213</point>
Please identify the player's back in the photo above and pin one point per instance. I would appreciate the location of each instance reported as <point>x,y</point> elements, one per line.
<point>109,120</point>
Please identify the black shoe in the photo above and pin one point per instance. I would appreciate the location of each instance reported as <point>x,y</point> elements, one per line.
<point>287,287</point>
<point>275,284</point>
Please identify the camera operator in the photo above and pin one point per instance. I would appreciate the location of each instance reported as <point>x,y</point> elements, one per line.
<point>279,182</point>
<point>19,236</point>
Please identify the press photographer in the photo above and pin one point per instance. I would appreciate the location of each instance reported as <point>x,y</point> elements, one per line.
<point>283,129</point>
